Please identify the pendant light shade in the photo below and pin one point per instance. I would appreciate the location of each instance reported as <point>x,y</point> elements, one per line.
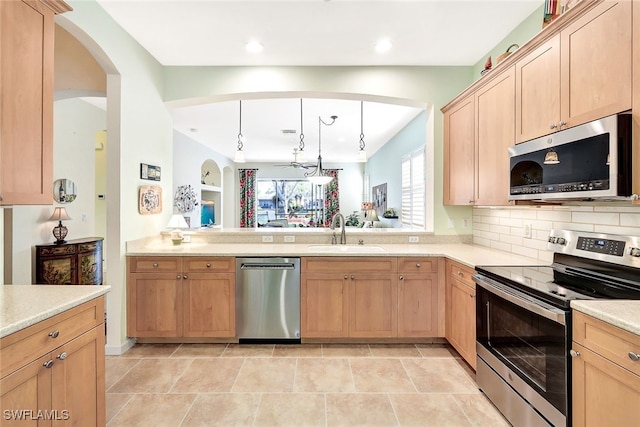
<point>362,154</point>
<point>239,157</point>
<point>319,176</point>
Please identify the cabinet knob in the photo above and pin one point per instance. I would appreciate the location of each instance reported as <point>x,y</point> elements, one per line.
<point>1,198</point>
<point>418,265</point>
<point>634,356</point>
<point>185,277</point>
<point>54,334</point>
<point>401,277</point>
<point>62,355</point>
<point>352,277</point>
<point>178,277</point>
<point>155,265</point>
<point>346,277</point>
<point>553,126</point>
<point>48,364</point>
<point>460,273</point>
<point>562,123</point>
<point>208,265</point>
<point>574,353</point>
<point>472,296</point>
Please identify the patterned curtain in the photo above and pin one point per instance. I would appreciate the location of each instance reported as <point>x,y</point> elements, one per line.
<point>247,197</point>
<point>331,197</point>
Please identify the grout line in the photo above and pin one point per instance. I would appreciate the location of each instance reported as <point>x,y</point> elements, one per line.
<point>409,375</point>
<point>393,408</point>
<point>122,407</point>
<point>121,376</point>
<point>180,376</point>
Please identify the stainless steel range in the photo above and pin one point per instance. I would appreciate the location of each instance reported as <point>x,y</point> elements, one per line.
<point>523,320</point>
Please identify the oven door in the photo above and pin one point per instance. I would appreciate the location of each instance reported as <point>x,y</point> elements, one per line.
<point>519,335</point>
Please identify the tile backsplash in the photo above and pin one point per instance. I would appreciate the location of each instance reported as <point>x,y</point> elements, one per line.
<point>524,230</point>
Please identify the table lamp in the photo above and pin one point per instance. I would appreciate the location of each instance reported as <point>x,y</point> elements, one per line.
<point>177,223</point>
<point>59,231</point>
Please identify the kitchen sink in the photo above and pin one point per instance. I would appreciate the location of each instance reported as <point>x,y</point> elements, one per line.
<point>349,249</point>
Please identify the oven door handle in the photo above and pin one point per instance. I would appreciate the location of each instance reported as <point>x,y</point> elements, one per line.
<point>520,299</point>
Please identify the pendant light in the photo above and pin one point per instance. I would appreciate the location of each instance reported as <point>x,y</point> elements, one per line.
<point>362,154</point>
<point>239,158</point>
<point>319,176</point>
<point>301,154</point>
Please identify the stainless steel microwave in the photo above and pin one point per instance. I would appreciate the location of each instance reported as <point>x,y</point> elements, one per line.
<point>589,161</point>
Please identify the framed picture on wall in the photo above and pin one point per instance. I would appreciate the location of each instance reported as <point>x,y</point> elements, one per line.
<point>150,199</point>
<point>149,172</point>
<point>379,198</point>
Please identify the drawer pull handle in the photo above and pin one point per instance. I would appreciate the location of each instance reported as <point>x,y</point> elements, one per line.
<point>353,278</point>
<point>48,364</point>
<point>574,353</point>
<point>62,355</point>
<point>54,334</point>
<point>460,273</point>
<point>178,277</point>
<point>346,277</point>
<point>418,265</point>
<point>401,277</point>
<point>208,265</point>
<point>155,265</point>
<point>634,356</point>
<point>185,277</point>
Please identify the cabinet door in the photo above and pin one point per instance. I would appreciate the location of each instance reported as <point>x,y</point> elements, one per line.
<point>373,305</point>
<point>90,263</point>
<point>79,379</point>
<point>324,308</point>
<point>596,63</point>
<point>495,105</point>
<point>209,305</point>
<point>27,389</point>
<point>538,91</point>
<point>56,270</point>
<point>461,319</point>
<point>154,305</point>
<point>418,305</point>
<point>459,146</point>
<point>26,117</point>
<point>604,394</point>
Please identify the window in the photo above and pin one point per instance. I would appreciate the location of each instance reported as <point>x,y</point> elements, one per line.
<point>413,190</point>
<point>290,202</point>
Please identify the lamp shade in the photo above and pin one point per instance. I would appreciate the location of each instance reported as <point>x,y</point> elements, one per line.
<point>177,221</point>
<point>372,215</point>
<point>59,214</point>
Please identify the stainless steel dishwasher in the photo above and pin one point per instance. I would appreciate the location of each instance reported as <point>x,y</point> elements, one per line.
<point>268,300</point>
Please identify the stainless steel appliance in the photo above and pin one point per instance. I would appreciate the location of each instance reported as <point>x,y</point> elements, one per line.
<point>593,160</point>
<point>268,300</point>
<point>523,320</point>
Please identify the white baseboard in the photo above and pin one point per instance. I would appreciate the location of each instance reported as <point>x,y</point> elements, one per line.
<point>117,350</point>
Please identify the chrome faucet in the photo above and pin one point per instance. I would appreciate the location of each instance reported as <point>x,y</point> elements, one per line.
<point>343,236</point>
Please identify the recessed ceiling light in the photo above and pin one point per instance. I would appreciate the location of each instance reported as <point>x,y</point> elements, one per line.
<point>383,46</point>
<point>254,47</point>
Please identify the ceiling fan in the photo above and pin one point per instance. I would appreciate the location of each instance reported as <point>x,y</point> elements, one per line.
<point>295,163</point>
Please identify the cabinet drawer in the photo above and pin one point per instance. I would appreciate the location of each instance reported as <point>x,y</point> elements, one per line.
<point>343,265</point>
<point>418,265</point>
<point>209,264</point>
<point>155,264</point>
<point>462,273</point>
<point>26,345</point>
<point>609,341</point>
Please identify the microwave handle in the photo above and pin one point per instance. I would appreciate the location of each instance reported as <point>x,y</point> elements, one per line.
<point>520,299</point>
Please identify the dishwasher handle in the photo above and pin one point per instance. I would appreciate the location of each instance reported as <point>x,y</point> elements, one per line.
<point>267,266</point>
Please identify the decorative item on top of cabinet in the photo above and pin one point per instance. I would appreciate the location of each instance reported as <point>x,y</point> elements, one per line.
<point>606,373</point>
<point>461,310</point>
<point>75,262</point>
<point>581,73</point>
<point>26,117</point>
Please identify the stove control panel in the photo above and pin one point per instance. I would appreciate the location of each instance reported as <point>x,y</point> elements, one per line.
<point>601,246</point>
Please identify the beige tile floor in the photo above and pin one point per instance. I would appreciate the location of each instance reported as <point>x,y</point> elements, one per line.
<point>300,385</point>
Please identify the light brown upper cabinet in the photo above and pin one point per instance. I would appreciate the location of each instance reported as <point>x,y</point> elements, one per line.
<point>580,74</point>
<point>26,118</point>
<point>459,152</point>
<point>495,119</point>
<point>478,130</point>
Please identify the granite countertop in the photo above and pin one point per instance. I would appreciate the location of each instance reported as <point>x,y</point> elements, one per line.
<point>470,255</point>
<point>624,314</point>
<point>24,305</point>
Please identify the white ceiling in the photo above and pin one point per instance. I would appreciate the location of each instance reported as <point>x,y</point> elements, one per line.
<point>311,33</point>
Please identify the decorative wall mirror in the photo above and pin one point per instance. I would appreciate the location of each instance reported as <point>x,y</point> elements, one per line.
<point>64,190</point>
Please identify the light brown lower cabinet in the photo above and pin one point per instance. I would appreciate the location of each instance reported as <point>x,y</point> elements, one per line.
<point>54,371</point>
<point>461,311</point>
<point>606,374</point>
<point>174,297</point>
<point>371,298</point>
